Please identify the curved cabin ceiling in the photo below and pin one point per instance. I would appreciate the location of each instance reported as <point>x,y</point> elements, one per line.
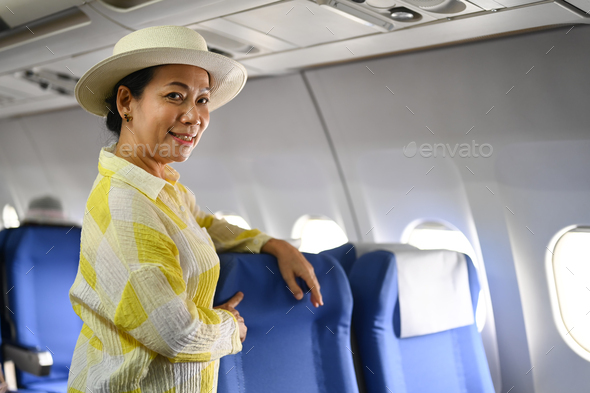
<point>268,37</point>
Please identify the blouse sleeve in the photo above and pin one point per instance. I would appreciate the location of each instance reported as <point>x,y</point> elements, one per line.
<point>144,292</point>
<point>226,237</point>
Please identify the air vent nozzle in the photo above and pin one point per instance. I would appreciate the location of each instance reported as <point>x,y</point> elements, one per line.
<point>58,82</point>
<point>225,45</point>
<point>127,5</point>
<point>218,51</point>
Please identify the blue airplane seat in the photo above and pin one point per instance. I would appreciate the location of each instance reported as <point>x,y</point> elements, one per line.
<point>344,254</point>
<point>348,253</point>
<point>450,361</point>
<point>291,346</point>
<point>39,265</point>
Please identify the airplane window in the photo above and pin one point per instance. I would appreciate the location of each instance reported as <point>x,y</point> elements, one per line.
<point>434,235</point>
<point>10,217</point>
<point>570,269</point>
<point>318,233</point>
<point>233,219</point>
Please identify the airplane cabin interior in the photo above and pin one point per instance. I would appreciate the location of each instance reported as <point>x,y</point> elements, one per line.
<point>430,159</point>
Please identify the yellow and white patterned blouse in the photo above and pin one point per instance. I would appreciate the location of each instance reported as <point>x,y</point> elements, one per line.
<point>145,285</point>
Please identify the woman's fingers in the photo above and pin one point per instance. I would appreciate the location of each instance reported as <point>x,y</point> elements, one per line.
<point>295,265</point>
<point>235,312</point>
<point>235,299</point>
<point>243,328</point>
<point>232,303</point>
<point>292,284</point>
<point>312,282</point>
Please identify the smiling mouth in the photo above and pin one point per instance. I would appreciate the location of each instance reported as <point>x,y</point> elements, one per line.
<point>182,137</point>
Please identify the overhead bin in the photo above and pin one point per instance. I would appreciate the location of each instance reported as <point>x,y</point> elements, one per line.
<point>127,5</point>
<point>61,42</point>
<point>52,39</point>
<point>582,5</point>
<point>267,37</point>
<point>14,13</point>
<point>68,19</point>
<point>171,12</point>
<point>485,24</point>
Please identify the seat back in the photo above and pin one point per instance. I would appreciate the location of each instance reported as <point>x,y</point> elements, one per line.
<point>450,361</point>
<point>291,346</point>
<point>344,254</point>
<point>39,266</point>
<point>348,253</point>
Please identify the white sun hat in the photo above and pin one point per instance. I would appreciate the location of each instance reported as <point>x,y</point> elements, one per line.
<point>159,45</point>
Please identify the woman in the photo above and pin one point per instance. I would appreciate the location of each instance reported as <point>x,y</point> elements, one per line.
<point>148,263</point>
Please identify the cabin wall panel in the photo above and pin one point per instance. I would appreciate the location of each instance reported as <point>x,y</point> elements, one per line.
<point>547,186</point>
<point>263,156</point>
<point>52,153</point>
<point>278,163</point>
<point>526,89</point>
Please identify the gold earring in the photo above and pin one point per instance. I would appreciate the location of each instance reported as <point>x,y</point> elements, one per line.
<point>127,117</point>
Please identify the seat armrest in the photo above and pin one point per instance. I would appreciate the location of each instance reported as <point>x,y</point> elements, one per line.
<point>29,359</point>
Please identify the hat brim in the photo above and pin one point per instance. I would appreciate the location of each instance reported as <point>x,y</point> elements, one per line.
<point>228,76</point>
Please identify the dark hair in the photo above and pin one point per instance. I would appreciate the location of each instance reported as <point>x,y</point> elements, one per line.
<point>136,82</point>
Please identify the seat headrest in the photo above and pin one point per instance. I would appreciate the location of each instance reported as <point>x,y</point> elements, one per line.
<point>362,248</point>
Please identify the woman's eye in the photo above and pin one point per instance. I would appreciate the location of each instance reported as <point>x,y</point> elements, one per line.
<point>172,94</point>
<point>205,98</point>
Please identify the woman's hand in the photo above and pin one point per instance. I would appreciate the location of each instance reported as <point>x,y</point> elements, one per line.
<point>293,264</point>
<point>230,306</point>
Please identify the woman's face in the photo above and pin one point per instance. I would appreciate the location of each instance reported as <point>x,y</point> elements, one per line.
<point>170,117</point>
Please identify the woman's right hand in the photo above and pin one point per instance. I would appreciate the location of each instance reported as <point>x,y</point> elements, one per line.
<point>230,306</point>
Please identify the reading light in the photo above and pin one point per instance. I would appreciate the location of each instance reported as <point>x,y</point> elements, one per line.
<point>357,15</point>
<point>403,14</point>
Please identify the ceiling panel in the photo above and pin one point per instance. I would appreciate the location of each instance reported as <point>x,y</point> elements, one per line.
<point>487,4</point>
<point>301,23</point>
<point>44,103</point>
<point>301,34</point>
<point>78,65</point>
<point>98,34</point>
<point>583,5</point>
<point>445,32</point>
<point>177,12</point>
<point>254,37</point>
<point>514,3</point>
<point>20,88</point>
<point>19,12</point>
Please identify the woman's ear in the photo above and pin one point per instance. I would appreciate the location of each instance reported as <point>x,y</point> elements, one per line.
<point>124,100</point>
